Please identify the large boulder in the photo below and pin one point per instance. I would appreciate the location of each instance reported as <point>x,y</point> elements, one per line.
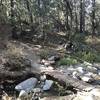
<point>27,85</point>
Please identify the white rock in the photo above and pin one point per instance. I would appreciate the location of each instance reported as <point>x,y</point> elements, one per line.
<point>98,72</point>
<point>76,75</point>
<point>27,85</point>
<point>88,66</point>
<point>84,98</point>
<point>48,84</point>
<point>43,77</point>
<point>92,68</point>
<point>23,93</point>
<point>88,74</point>
<point>95,92</point>
<point>50,68</point>
<point>87,63</point>
<point>71,69</point>
<point>46,63</point>
<point>80,69</point>
<point>52,58</point>
<point>89,88</point>
<point>86,78</point>
<point>38,46</point>
<point>43,61</point>
<point>36,90</point>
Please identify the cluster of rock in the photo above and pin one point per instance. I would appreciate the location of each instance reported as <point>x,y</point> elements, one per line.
<point>31,88</point>
<point>86,72</point>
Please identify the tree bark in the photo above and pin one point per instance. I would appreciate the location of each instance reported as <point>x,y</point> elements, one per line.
<point>30,13</point>
<point>82,16</point>
<point>93,17</point>
<point>81,31</point>
<point>12,12</point>
<point>67,80</point>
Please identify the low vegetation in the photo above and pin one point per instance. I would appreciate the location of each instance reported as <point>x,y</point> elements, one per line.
<point>67,61</point>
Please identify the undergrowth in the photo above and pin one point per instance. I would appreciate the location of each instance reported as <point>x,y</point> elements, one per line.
<point>67,61</point>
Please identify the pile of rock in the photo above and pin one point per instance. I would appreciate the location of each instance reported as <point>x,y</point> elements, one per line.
<point>31,88</point>
<point>86,72</point>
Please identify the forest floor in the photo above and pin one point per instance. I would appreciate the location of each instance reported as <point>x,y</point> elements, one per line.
<point>20,59</point>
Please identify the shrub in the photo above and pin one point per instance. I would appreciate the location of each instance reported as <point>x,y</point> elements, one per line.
<point>44,54</point>
<point>16,59</point>
<point>89,56</point>
<point>67,61</point>
<point>16,63</point>
<point>14,51</point>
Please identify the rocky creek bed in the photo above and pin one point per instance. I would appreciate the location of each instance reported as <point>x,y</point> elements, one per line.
<point>21,67</point>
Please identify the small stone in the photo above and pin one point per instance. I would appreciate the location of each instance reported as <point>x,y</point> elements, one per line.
<point>75,75</point>
<point>50,68</point>
<point>36,90</point>
<point>80,69</point>
<point>48,84</point>
<point>22,93</point>
<point>46,63</point>
<point>43,77</point>
<point>54,58</point>
<point>71,69</point>
<point>98,72</point>
<point>87,63</point>
<point>51,58</point>
<point>43,61</point>
<point>89,74</point>
<point>88,89</point>
<point>86,79</point>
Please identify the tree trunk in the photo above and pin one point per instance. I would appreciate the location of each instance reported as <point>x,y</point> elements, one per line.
<point>14,28</point>
<point>76,22</point>
<point>81,31</point>
<point>82,16</point>
<point>30,13</point>
<point>12,12</point>
<point>1,2</point>
<point>93,17</point>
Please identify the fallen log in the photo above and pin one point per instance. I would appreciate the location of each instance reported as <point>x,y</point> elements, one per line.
<point>69,81</point>
<point>55,75</point>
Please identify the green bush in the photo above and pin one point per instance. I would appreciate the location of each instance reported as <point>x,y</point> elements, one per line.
<point>44,54</point>
<point>78,37</point>
<point>89,56</point>
<point>97,58</point>
<point>67,61</point>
